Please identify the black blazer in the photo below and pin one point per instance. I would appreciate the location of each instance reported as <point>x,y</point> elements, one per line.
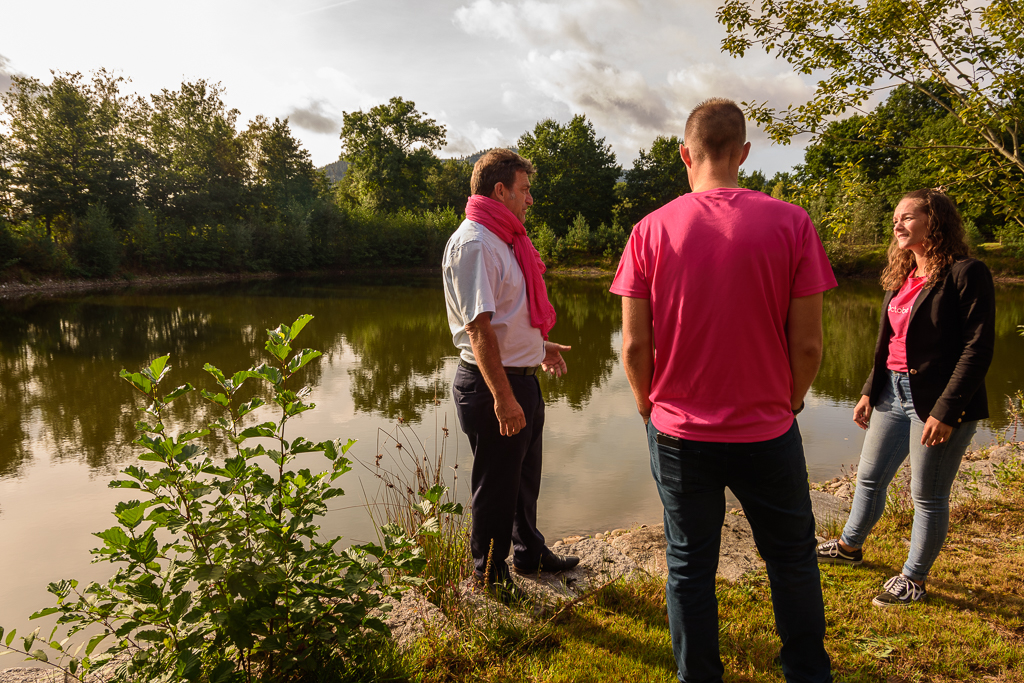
<point>950,340</point>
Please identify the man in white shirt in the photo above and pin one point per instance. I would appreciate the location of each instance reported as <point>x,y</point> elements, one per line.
<point>499,316</point>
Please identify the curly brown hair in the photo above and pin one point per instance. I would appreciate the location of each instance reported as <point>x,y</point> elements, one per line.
<point>945,244</point>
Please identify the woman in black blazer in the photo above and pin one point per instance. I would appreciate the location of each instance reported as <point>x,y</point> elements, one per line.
<point>926,390</point>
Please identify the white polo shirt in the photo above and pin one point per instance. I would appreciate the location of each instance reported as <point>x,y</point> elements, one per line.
<point>481,275</point>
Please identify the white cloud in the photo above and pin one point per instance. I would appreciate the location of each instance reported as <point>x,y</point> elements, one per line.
<point>635,68</point>
<point>610,96</point>
<point>345,90</point>
<point>473,137</point>
<point>701,81</point>
<point>5,73</point>
<point>314,118</point>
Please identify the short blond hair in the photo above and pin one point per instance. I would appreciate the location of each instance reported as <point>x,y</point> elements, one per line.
<point>715,129</point>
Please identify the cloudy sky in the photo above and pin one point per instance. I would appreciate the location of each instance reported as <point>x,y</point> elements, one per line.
<point>487,69</point>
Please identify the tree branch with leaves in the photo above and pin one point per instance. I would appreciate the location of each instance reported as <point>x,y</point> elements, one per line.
<point>967,56</point>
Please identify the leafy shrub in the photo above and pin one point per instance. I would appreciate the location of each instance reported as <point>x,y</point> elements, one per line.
<point>95,246</point>
<point>552,249</point>
<point>399,239</point>
<point>221,576</point>
<point>36,252</point>
<point>142,246</point>
<point>8,247</point>
<point>610,240</point>
<point>974,236</point>
<point>578,237</point>
<point>1011,236</point>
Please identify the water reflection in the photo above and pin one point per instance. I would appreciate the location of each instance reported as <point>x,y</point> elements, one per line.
<point>588,317</point>
<point>67,422</point>
<point>849,326</point>
<point>850,322</point>
<point>59,357</point>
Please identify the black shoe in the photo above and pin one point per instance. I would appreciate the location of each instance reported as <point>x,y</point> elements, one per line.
<point>549,562</point>
<point>830,552</point>
<point>899,591</point>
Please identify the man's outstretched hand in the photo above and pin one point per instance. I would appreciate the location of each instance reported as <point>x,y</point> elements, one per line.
<point>553,362</point>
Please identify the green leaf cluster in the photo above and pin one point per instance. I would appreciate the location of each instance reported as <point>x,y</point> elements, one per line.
<point>576,174</point>
<point>966,58</point>
<point>221,571</point>
<point>389,150</point>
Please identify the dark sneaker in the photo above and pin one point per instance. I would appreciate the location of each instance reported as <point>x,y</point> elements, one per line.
<point>549,562</point>
<point>830,552</point>
<point>899,591</point>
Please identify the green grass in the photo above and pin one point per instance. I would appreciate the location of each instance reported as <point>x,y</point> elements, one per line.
<point>970,629</point>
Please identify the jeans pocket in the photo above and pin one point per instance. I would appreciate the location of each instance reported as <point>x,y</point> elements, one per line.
<point>669,465</point>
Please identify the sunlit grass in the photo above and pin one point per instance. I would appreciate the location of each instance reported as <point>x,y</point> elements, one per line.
<point>970,629</point>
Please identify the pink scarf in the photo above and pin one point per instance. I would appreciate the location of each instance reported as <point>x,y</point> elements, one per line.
<point>496,217</point>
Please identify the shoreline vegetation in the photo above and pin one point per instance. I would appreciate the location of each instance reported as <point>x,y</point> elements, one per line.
<point>175,183</point>
<point>55,286</point>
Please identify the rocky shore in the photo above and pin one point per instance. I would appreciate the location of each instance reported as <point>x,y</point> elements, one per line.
<point>622,552</point>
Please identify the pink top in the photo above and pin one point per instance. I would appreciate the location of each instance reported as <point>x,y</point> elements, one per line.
<point>720,268</point>
<point>900,307</point>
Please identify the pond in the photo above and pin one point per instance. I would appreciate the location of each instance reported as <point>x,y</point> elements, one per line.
<point>67,421</point>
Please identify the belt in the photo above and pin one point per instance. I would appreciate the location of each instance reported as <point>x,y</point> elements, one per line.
<point>529,370</point>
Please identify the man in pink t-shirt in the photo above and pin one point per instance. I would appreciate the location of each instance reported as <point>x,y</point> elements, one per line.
<point>722,294</point>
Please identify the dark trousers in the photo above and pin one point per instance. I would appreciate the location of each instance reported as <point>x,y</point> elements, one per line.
<point>770,479</point>
<point>506,473</point>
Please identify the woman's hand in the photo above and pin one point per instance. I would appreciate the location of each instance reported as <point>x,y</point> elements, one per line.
<point>862,413</point>
<point>935,432</point>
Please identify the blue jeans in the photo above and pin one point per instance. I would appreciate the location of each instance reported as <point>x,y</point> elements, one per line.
<point>770,479</point>
<point>894,432</point>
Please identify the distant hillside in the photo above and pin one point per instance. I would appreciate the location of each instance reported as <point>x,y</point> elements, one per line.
<point>472,158</point>
<point>336,170</point>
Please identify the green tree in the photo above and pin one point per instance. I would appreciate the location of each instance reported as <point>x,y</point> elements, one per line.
<point>389,151</point>
<point>279,169</point>
<point>194,167</point>
<point>6,180</point>
<point>754,180</point>
<point>63,152</point>
<point>657,177</point>
<point>855,140</point>
<point>576,174</point>
<point>448,184</point>
<point>973,53</point>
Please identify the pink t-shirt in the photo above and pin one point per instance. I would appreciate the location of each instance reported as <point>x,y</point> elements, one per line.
<point>899,310</point>
<point>720,268</point>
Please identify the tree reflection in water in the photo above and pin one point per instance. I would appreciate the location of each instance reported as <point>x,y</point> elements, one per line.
<point>588,317</point>
<point>388,341</point>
